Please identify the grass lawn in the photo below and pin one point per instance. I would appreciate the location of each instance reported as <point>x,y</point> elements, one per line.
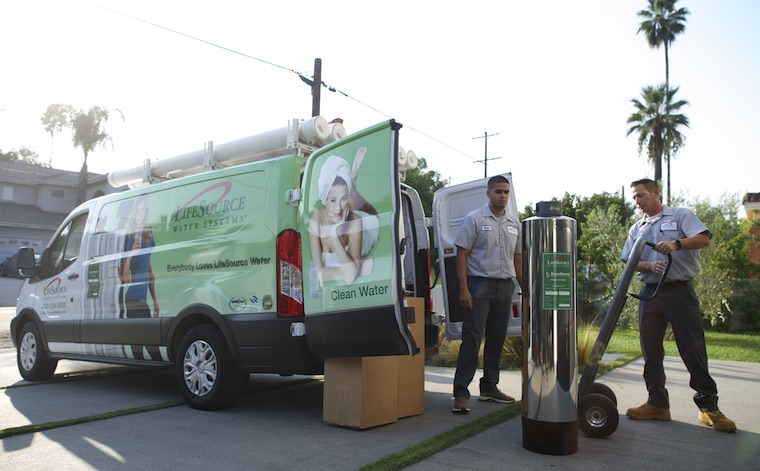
<point>720,345</point>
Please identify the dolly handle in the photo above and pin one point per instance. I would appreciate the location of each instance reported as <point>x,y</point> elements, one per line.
<point>659,283</point>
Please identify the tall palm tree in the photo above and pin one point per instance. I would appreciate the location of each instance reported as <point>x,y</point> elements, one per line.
<point>55,119</point>
<point>658,129</point>
<point>661,23</point>
<point>89,132</point>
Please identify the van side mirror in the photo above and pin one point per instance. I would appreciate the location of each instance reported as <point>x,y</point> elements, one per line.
<point>26,264</point>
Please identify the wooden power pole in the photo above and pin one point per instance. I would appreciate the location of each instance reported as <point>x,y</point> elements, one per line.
<point>316,87</point>
<point>485,159</point>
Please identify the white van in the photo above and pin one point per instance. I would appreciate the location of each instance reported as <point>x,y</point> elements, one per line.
<point>264,255</point>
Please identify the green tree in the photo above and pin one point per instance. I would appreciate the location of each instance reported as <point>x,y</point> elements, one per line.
<point>579,208</point>
<point>23,154</point>
<point>661,23</point>
<point>604,235</point>
<point>426,183</point>
<point>725,261</point>
<point>655,125</point>
<point>55,118</point>
<point>89,132</point>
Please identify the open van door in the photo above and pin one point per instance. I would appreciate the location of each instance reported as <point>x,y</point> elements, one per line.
<point>350,224</point>
<point>450,206</point>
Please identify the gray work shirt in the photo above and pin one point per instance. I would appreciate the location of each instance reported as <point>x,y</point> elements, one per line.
<point>492,242</point>
<point>670,224</point>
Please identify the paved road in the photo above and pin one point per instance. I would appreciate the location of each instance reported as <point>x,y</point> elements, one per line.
<point>277,424</point>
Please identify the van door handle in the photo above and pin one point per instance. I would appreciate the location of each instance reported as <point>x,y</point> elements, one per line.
<point>74,276</point>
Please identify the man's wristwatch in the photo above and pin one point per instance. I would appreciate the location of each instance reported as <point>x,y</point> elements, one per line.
<point>678,244</point>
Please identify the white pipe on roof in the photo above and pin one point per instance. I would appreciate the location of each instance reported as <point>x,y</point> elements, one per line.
<point>314,131</point>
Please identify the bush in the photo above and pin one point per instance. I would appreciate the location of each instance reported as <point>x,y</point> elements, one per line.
<point>512,352</point>
<point>743,306</point>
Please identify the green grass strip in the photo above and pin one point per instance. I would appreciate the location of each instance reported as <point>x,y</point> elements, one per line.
<point>431,446</point>
<point>33,428</point>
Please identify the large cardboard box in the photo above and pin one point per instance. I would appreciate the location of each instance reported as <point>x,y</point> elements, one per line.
<point>371,391</point>
<point>361,392</point>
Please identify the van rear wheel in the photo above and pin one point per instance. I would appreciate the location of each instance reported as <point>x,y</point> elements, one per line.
<point>32,357</point>
<point>206,374</point>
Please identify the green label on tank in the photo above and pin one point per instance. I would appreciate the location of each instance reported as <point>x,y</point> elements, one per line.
<point>557,283</point>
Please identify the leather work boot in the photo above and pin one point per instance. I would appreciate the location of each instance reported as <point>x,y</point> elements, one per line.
<point>496,396</point>
<point>648,412</point>
<point>718,421</point>
<point>460,405</point>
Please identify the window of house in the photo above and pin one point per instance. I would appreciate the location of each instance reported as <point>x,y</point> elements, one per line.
<point>57,193</point>
<point>7,193</point>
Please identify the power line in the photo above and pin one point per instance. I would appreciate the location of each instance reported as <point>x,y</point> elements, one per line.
<point>308,79</point>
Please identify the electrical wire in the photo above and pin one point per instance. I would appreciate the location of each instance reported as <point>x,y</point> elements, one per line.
<point>306,78</point>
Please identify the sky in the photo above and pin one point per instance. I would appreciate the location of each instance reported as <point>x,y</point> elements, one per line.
<point>549,82</point>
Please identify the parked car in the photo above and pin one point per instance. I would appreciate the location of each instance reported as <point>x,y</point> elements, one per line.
<point>9,266</point>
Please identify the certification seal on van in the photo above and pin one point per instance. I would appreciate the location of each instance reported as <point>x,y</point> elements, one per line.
<point>266,302</point>
<point>237,304</point>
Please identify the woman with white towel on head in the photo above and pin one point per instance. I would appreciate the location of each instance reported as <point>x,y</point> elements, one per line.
<point>342,233</point>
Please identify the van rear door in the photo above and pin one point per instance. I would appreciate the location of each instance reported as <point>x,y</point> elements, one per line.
<point>450,206</point>
<point>349,220</point>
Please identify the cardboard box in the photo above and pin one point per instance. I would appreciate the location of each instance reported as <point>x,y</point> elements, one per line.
<point>361,392</point>
<point>371,391</point>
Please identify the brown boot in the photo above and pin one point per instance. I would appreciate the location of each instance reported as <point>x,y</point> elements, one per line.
<point>460,405</point>
<point>648,412</point>
<point>718,421</point>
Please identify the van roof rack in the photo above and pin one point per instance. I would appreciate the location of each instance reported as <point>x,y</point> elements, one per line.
<point>299,137</point>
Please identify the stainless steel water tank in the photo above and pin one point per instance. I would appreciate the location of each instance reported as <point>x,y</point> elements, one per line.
<point>550,355</point>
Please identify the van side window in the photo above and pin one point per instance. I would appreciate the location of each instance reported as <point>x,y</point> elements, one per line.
<point>66,247</point>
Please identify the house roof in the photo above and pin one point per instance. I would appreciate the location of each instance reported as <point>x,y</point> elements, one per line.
<point>36,175</point>
<point>28,215</point>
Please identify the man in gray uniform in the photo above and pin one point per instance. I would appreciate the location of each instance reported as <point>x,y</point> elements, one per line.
<point>678,232</point>
<point>489,247</point>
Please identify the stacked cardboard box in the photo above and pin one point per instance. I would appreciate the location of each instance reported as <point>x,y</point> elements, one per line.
<point>370,391</point>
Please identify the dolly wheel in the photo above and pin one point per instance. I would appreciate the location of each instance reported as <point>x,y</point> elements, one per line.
<point>597,416</point>
<point>604,390</point>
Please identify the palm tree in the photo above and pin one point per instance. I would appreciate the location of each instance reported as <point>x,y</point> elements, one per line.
<point>89,132</point>
<point>658,128</point>
<point>661,24</point>
<point>55,119</point>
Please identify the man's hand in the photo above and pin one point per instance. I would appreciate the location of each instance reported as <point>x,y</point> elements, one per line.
<point>658,267</point>
<point>666,247</point>
<point>465,299</point>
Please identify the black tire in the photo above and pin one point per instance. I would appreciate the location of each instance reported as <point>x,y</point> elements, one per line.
<point>604,390</point>
<point>32,357</point>
<point>597,416</point>
<point>206,374</point>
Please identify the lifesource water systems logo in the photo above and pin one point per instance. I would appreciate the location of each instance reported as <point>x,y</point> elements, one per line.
<point>205,208</point>
<point>54,287</point>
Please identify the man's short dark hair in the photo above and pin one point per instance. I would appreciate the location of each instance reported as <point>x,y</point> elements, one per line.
<point>648,183</point>
<point>495,180</point>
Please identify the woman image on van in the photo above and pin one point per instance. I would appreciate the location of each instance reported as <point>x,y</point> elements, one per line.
<point>136,271</point>
<point>343,232</point>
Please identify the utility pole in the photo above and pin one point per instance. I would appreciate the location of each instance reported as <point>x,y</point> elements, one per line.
<point>316,87</point>
<point>485,159</point>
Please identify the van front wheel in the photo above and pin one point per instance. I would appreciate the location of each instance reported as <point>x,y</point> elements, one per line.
<point>32,358</point>
<point>206,374</point>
